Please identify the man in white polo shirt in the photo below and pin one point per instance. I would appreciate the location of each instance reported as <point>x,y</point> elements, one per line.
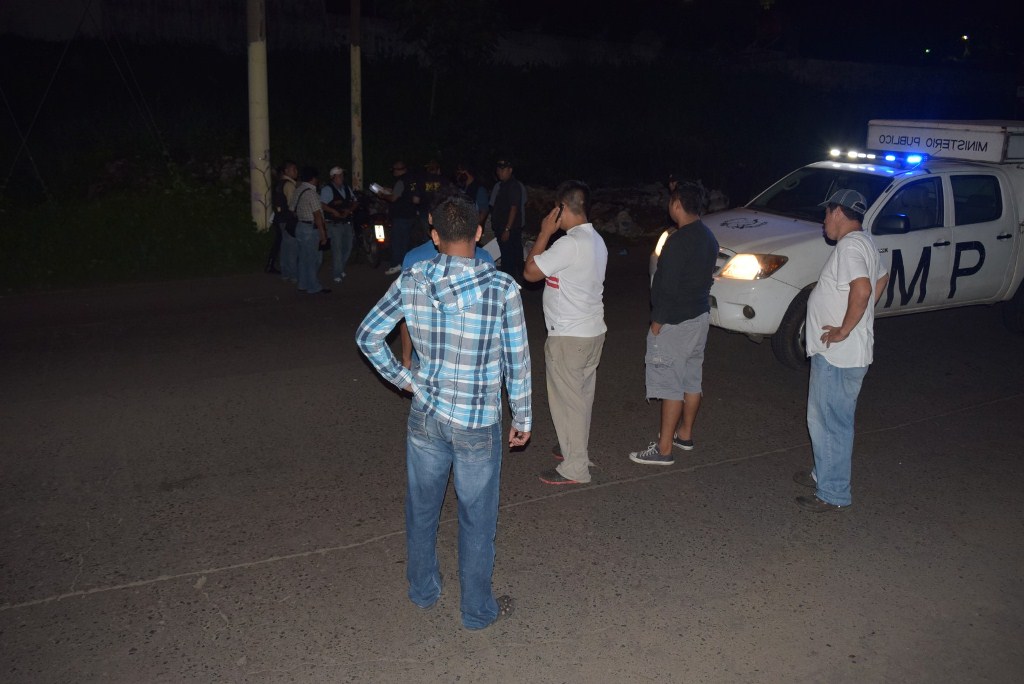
<point>573,270</point>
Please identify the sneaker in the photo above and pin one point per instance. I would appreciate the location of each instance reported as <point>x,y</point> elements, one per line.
<point>651,456</point>
<point>393,270</point>
<point>338,279</point>
<point>684,444</point>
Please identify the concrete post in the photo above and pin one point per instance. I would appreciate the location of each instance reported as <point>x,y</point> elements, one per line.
<point>259,115</point>
<point>356,85</point>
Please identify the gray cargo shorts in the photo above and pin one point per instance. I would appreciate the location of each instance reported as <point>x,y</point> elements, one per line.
<point>675,359</point>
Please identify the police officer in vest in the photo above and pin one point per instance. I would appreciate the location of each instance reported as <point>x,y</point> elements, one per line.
<point>339,203</point>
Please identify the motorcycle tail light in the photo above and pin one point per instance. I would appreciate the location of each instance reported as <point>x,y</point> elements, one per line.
<point>378,232</point>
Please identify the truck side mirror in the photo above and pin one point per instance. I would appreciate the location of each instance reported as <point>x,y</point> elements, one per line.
<point>891,224</point>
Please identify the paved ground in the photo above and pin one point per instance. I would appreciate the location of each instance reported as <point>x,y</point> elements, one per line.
<point>202,481</point>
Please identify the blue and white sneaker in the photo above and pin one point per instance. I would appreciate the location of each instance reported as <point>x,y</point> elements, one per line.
<point>684,444</point>
<point>651,456</point>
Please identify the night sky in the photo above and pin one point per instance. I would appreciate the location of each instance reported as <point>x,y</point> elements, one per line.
<point>869,30</point>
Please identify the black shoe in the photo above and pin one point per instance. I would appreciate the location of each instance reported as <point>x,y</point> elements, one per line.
<point>803,477</point>
<point>816,505</point>
<point>271,269</point>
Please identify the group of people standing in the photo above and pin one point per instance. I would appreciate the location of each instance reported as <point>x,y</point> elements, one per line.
<point>325,217</point>
<point>466,324</point>
<point>321,219</point>
<point>414,192</point>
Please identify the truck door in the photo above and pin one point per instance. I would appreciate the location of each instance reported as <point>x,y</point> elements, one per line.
<point>914,241</point>
<point>984,236</point>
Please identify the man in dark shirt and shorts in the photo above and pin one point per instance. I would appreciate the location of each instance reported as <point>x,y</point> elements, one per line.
<point>680,306</point>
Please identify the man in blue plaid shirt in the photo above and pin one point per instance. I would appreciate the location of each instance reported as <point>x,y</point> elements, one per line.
<point>466,323</point>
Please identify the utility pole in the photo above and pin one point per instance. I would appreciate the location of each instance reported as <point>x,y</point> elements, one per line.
<point>259,115</point>
<point>356,84</point>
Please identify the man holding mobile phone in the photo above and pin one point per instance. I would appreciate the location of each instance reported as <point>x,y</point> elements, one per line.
<point>573,269</point>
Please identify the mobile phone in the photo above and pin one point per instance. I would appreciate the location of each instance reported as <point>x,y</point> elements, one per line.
<point>558,216</point>
<point>375,188</point>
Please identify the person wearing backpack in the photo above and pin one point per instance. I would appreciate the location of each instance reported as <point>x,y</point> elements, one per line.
<point>310,231</point>
<point>284,252</point>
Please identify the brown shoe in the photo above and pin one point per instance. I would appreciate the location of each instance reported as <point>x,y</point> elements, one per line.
<point>804,477</point>
<point>816,505</point>
<point>553,477</point>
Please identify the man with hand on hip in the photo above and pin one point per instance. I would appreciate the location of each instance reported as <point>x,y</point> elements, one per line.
<point>466,323</point>
<point>840,339</point>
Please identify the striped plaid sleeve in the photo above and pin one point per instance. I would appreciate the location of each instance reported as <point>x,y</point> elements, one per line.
<point>515,360</point>
<point>372,336</point>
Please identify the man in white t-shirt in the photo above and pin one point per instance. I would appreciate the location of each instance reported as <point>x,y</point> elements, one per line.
<point>840,341</point>
<point>573,270</point>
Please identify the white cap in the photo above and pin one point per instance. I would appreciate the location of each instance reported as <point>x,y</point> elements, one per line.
<point>337,171</point>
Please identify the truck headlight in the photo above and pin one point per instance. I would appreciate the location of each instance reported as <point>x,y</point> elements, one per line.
<point>752,266</point>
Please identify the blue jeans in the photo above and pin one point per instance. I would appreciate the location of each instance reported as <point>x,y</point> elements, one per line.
<point>831,404</point>
<point>341,246</point>
<point>289,256</point>
<point>432,450</point>
<point>401,233</point>
<point>310,258</point>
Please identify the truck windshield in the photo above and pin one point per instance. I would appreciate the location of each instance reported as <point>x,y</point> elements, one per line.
<point>799,194</point>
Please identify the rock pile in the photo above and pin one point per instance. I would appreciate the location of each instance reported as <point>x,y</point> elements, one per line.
<point>630,212</point>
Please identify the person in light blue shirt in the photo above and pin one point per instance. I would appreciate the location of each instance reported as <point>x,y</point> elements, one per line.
<point>428,250</point>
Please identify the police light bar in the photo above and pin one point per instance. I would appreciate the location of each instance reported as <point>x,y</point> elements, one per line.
<point>852,155</point>
<point>904,161</point>
<point>890,158</point>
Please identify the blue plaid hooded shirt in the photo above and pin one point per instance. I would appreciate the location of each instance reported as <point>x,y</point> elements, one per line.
<point>466,322</point>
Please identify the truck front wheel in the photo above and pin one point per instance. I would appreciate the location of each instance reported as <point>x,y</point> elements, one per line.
<point>788,342</point>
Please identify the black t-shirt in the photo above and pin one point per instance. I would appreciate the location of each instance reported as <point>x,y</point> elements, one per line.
<point>430,185</point>
<point>403,207</point>
<point>510,194</point>
<point>682,284</point>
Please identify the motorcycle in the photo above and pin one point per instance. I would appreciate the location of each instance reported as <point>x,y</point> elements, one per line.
<point>373,229</point>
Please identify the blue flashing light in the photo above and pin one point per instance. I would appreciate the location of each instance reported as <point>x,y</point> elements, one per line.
<point>890,157</point>
<point>914,159</point>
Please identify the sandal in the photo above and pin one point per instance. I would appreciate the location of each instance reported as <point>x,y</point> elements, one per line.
<point>506,606</point>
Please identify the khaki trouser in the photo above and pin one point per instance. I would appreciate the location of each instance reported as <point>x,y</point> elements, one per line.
<point>571,368</point>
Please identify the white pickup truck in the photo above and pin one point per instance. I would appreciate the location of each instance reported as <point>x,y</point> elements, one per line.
<point>945,209</point>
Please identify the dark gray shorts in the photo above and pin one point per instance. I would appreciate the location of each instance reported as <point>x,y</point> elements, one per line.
<point>675,359</point>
